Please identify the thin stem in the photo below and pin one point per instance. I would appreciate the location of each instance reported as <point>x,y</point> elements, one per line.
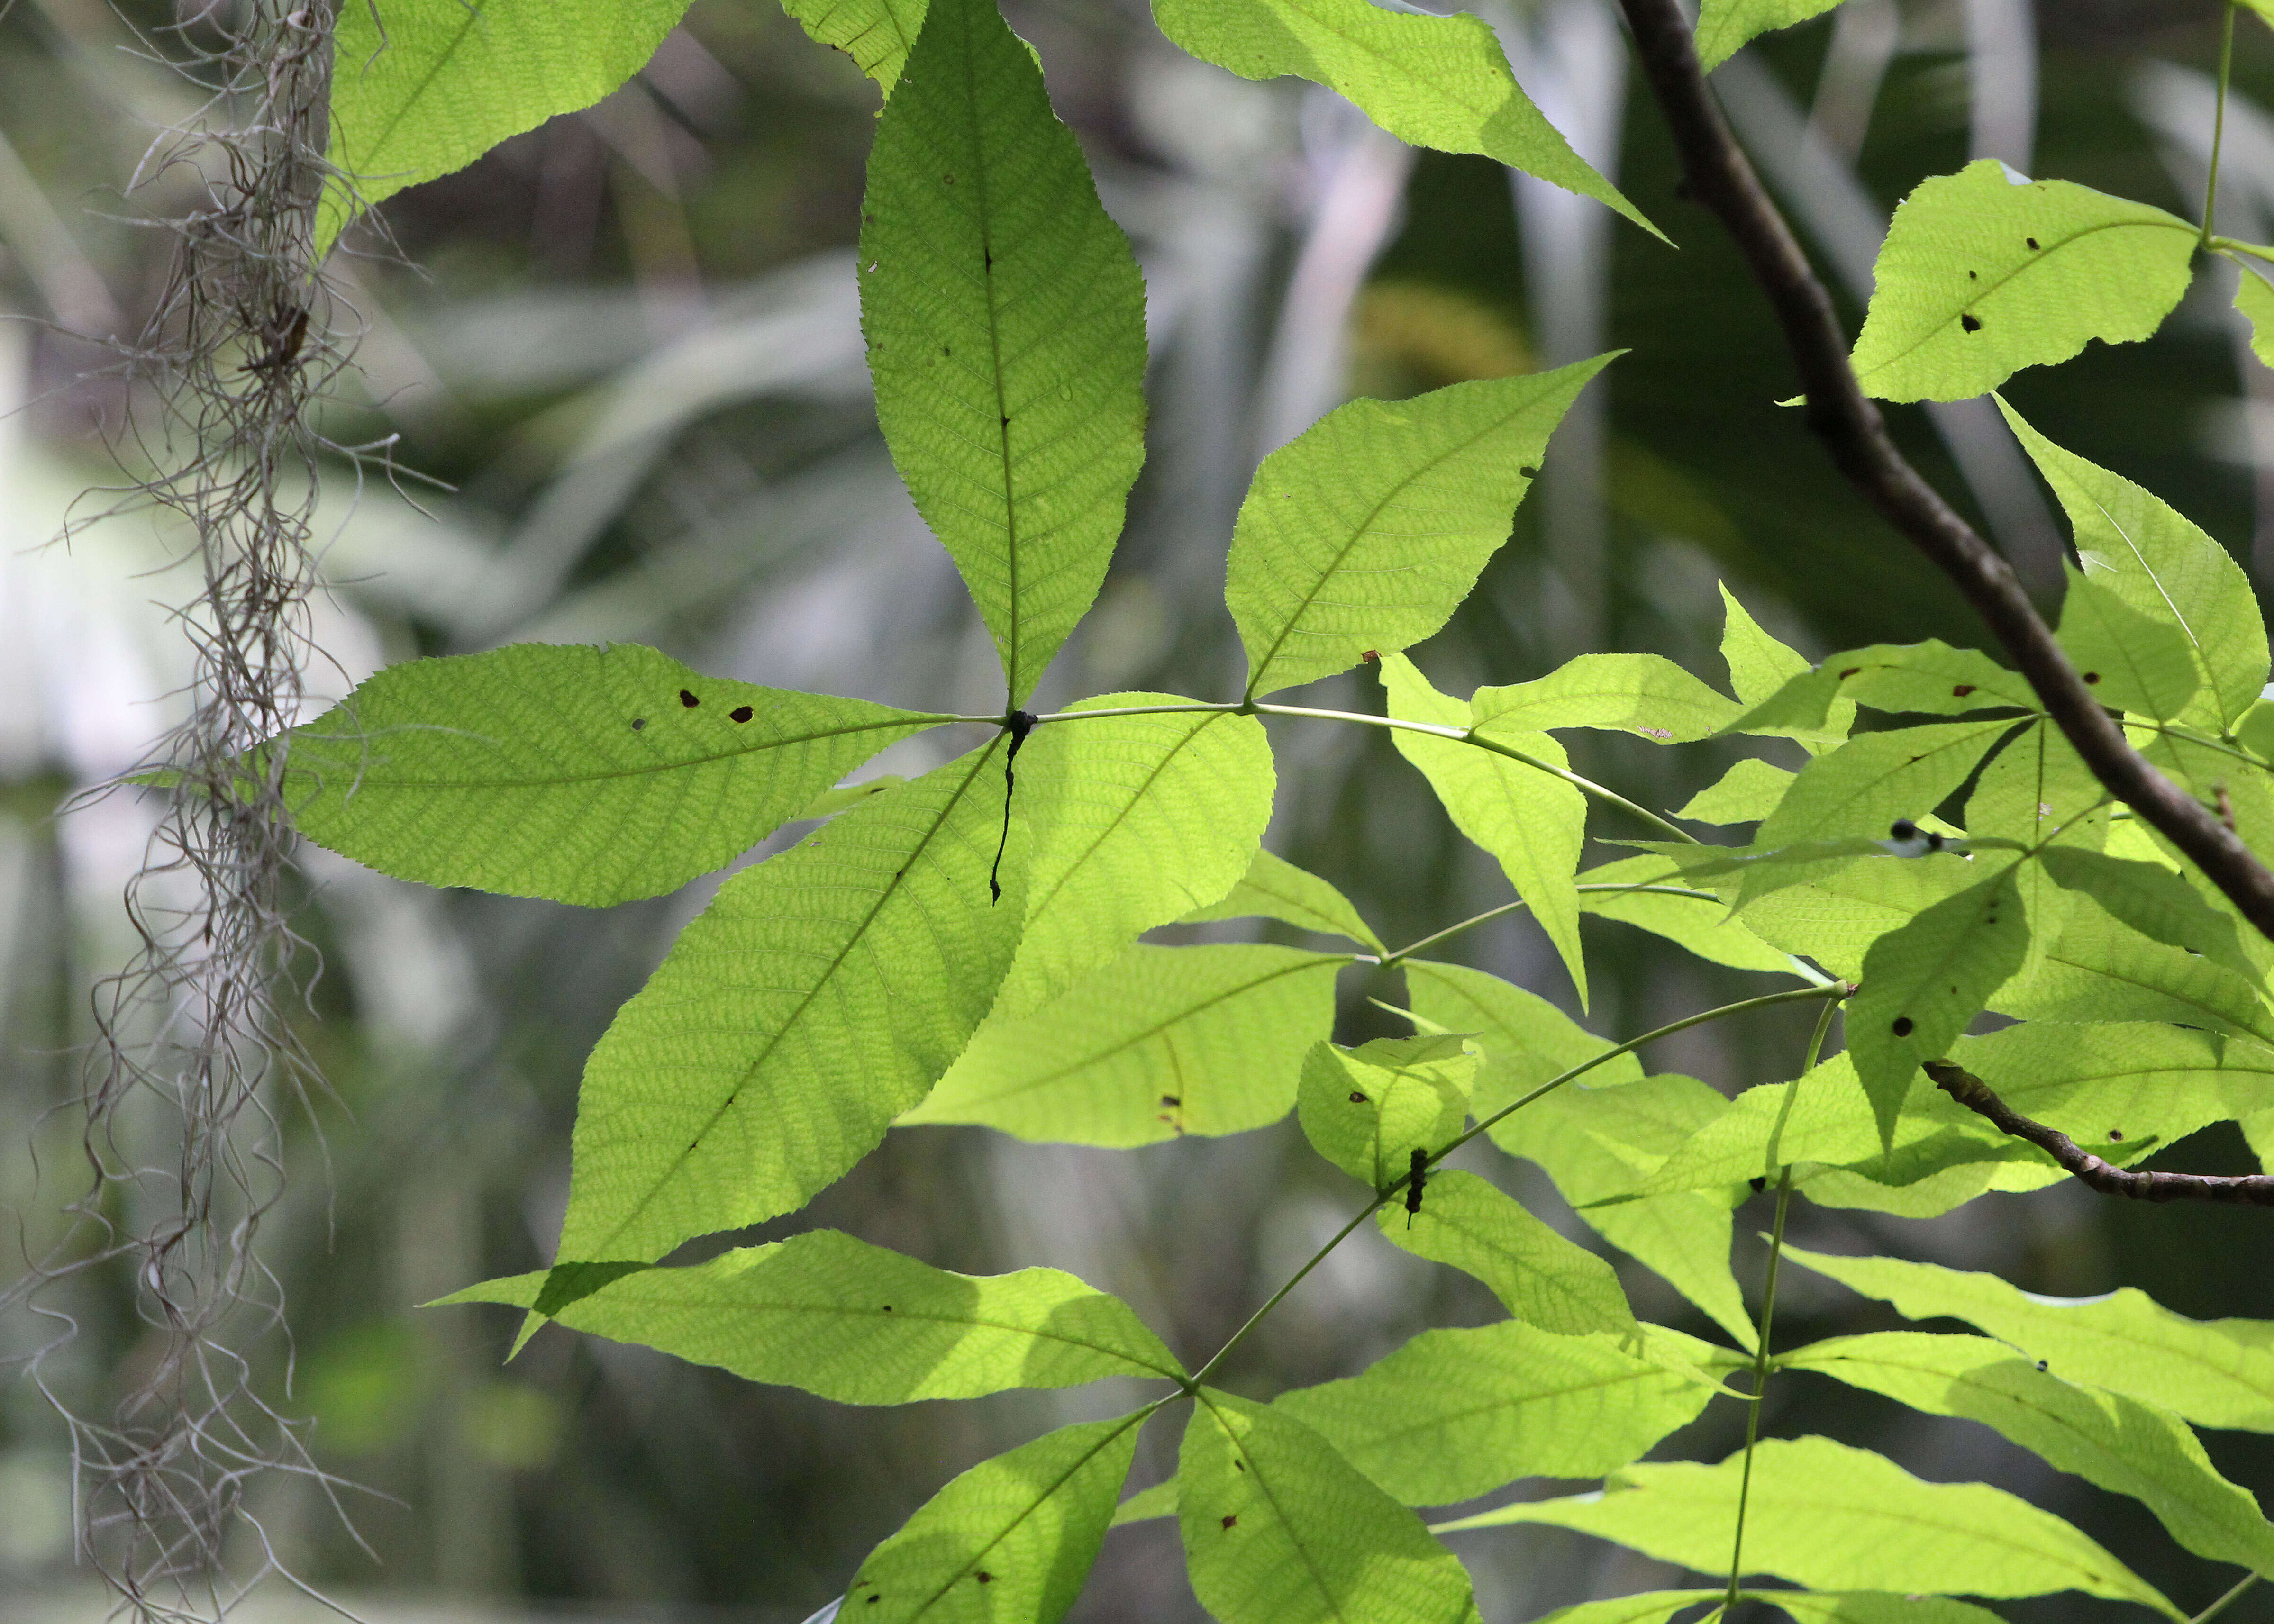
<point>2193,737</point>
<point>1186,707</point>
<point>1398,1188</point>
<point>1768,1328</point>
<point>1489,914</point>
<point>1469,735</point>
<point>2235,245</point>
<point>2218,122</point>
<point>2249,1578</point>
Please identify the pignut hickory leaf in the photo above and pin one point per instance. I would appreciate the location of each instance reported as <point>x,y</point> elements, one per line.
<point>587,775</point>
<point>1540,1277</point>
<point>441,82</point>
<point>1368,1110</point>
<point>1279,1528</point>
<point>819,997</point>
<point>2253,296</point>
<point>1006,320</point>
<point>1367,530</point>
<point>1012,1538</point>
<point>1434,81</point>
<point>1646,695</point>
<point>1273,888</point>
<point>858,1323</point>
<point>1982,275</point>
<point>1724,27</point>
<point>2135,662</point>
<point>877,35</point>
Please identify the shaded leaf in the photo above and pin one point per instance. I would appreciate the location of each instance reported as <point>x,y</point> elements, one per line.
<point>1863,787</point>
<point>1366,1110</point>
<point>1541,1278</point>
<point>1874,1607</point>
<point>2102,969</point>
<point>1160,1501</point>
<point>1929,678</point>
<point>1006,320</point>
<point>2134,661</point>
<point>2153,901</point>
<point>877,35</point>
<point>1835,913</point>
<point>1647,1608</point>
<point>1276,888</point>
<point>2111,1084</point>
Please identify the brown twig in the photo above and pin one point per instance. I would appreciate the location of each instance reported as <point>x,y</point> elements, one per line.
<point>1850,427</point>
<point>2251,1190</point>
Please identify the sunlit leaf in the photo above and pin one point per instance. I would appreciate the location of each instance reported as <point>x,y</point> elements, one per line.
<point>1697,919</point>
<point>1163,1042</point>
<point>1646,1607</point>
<point>1865,785</point>
<point>2153,901</point>
<point>1368,529</point>
<point>2217,1372</point>
<point>1544,1280</point>
<point>1748,793</point>
<point>1005,321</point>
<point>1646,694</point>
<point>2117,1443</point>
<point>1831,1517</point>
<point>877,35</point>
<point>2135,662</point>
<point>1984,273</point>
<point>1533,823</point>
<point>1366,1110</point>
<point>591,775</point>
<point>852,1322</point>
<point>2038,791</point>
<point>2111,1083</point>
<point>1724,27</point>
<point>1431,80</point>
<point>2160,564</point>
<point>1455,1413</point>
<point>1759,666</point>
<point>1136,820</point>
<point>2102,969</point>
<point>1276,888</point>
<point>1160,1501</point>
<point>1279,1528</point>
<point>1930,679</point>
<point>1874,1607</point>
<point>820,995</point>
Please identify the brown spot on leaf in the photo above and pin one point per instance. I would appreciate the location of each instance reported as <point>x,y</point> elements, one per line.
<point>2092,676</point>
<point>638,722</point>
<point>1232,1519</point>
<point>983,1576</point>
<point>1357,1098</point>
<point>2032,242</point>
<point>1971,323</point>
<point>1851,672</point>
<point>1962,690</point>
<point>2116,1134</point>
<point>740,713</point>
<point>1170,1099</point>
<point>688,699</point>
<point>1902,1026</point>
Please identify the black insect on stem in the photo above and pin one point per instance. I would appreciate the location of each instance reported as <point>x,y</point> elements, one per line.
<point>1413,1182</point>
<point>1017,724</point>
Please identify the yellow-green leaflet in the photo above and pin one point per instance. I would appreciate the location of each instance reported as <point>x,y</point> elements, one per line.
<point>1831,1517</point>
<point>1273,888</point>
<point>1724,27</point>
<point>1368,1110</point>
<point>1012,1538</point>
<point>1006,320</point>
<point>1279,1528</point>
<point>877,35</point>
<point>1543,1279</point>
<point>854,1323</point>
<point>587,775</point>
<point>1646,694</point>
<point>1985,273</point>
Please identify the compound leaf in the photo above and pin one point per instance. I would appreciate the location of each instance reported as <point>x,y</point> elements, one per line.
<point>1368,1110</point>
<point>1646,695</point>
<point>441,82</point>
<point>1455,1413</point>
<point>854,1323</point>
<point>1279,1528</point>
<point>1163,1042</point>
<point>1985,273</point>
<point>820,995</point>
<point>1533,822</point>
<point>2102,969</point>
<point>2217,1372</point>
<point>2121,1445</point>
<point>1367,530</point>
<point>1274,888</point>
<point>1543,1279</point>
<point>1431,80</point>
<point>586,775</point>
<point>1831,1517</point>
<point>1836,913</point>
<point>1136,820</point>
<point>1006,320</point>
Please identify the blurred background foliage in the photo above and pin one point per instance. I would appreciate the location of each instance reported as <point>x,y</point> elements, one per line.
<point>620,361</point>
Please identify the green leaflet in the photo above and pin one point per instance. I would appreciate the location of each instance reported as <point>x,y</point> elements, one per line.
<point>1831,1517</point>
<point>1834,911</point>
<point>1368,1110</point>
<point>1136,820</point>
<point>1276,888</point>
<point>2258,1130</point>
<point>1724,26</point>
<point>1867,784</point>
<point>2101,969</point>
<point>587,775</point>
<point>1929,678</point>
<point>1455,1413</point>
<point>1006,320</point>
<point>1696,921</point>
<point>2254,298</point>
<point>1595,1136</point>
<point>2153,901</point>
<point>1924,982</point>
<point>1012,1538</point>
<point>1647,1608</point>
<point>1278,1529</point>
<point>2158,563</point>
<point>1982,275</point>
<point>2117,1443</point>
<point>2038,791</point>
<point>1533,823</point>
<point>819,996</point>
<point>2217,1372</point>
<point>1163,1042</point>
<point>858,1323</point>
<point>2135,662</point>
<point>877,35</point>
<point>1160,1501</point>
<point>1759,666</point>
<point>1748,793</point>
<point>447,80</point>
<point>1874,1607</point>
<point>1930,1195</point>
<point>1646,695</point>
<point>2111,1084</point>
<point>1367,530</point>
<point>1541,1278</point>
<point>1430,80</point>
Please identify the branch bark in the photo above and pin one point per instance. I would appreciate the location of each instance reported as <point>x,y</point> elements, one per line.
<point>1852,432</point>
<point>1976,1096</point>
